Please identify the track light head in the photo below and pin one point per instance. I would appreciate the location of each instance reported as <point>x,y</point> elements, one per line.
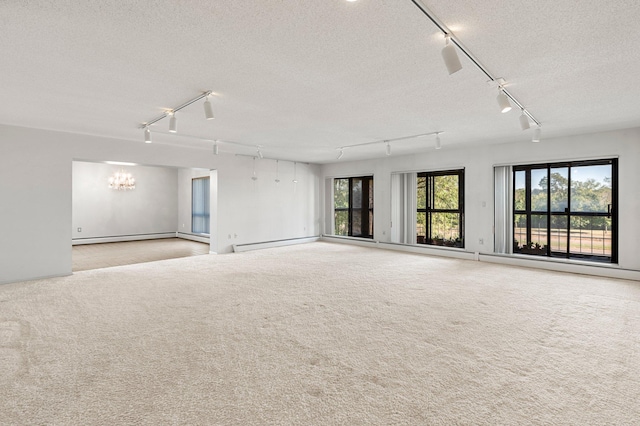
<point>388,149</point>
<point>173,124</point>
<point>536,134</point>
<point>208,111</point>
<point>524,121</point>
<point>450,56</point>
<point>147,135</point>
<point>503,102</point>
<point>340,154</point>
<point>260,153</point>
<point>438,143</point>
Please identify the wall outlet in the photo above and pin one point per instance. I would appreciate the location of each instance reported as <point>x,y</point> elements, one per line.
<point>79,229</point>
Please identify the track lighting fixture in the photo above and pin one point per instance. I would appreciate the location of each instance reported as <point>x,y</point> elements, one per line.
<point>173,125</point>
<point>503,101</point>
<point>215,147</point>
<point>277,174</point>
<point>524,121</point>
<point>295,173</point>
<point>208,111</point>
<point>450,56</point>
<point>387,143</point>
<point>260,153</point>
<point>536,134</point>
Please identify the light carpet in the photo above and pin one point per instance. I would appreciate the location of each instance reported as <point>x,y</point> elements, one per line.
<point>320,334</point>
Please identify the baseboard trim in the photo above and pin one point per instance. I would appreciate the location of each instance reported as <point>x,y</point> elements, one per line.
<point>193,237</point>
<point>121,238</point>
<point>456,253</point>
<point>598,270</point>
<point>44,277</point>
<point>239,248</point>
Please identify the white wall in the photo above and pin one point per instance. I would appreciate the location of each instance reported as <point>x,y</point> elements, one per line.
<point>103,212</point>
<point>36,191</point>
<point>185,176</point>
<point>478,164</point>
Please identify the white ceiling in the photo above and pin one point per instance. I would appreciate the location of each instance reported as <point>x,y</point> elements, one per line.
<point>303,78</point>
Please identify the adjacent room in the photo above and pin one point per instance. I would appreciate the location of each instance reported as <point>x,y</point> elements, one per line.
<point>124,213</point>
<point>347,212</point>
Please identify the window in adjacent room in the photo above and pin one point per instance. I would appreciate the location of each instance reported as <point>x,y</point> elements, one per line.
<point>200,197</point>
<point>440,208</point>
<point>566,209</point>
<point>353,206</point>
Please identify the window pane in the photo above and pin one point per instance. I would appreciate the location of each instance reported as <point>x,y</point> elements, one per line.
<point>538,234</point>
<point>422,192</point>
<point>559,189</point>
<point>371,197</point>
<point>591,188</point>
<point>445,225</point>
<point>421,226</point>
<point>341,193</point>
<point>539,190</point>
<point>445,192</point>
<point>559,233</point>
<point>356,226</point>
<point>520,192</point>
<point>200,210</point>
<point>356,187</point>
<point>342,222</point>
<point>520,229</point>
<point>591,235</point>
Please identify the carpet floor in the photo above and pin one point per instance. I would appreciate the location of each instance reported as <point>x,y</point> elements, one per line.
<point>320,334</point>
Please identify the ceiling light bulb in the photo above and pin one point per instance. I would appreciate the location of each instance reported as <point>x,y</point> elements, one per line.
<point>340,154</point>
<point>438,143</point>
<point>503,101</point>
<point>524,121</point>
<point>173,125</point>
<point>208,111</point>
<point>388,149</point>
<point>450,56</point>
<point>147,135</point>
<point>536,135</point>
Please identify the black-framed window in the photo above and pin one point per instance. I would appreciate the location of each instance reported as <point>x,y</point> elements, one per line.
<point>440,208</point>
<point>353,206</point>
<point>200,196</point>
<point>567,209</point>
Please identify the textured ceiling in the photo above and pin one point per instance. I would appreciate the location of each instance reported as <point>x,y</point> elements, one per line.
<point>303,78</point>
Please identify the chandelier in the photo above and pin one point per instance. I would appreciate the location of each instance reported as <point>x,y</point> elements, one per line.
<point>122,181</point>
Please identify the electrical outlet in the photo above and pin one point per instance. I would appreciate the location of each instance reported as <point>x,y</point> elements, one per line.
<point>481,241</point>
<point>79,229</point>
